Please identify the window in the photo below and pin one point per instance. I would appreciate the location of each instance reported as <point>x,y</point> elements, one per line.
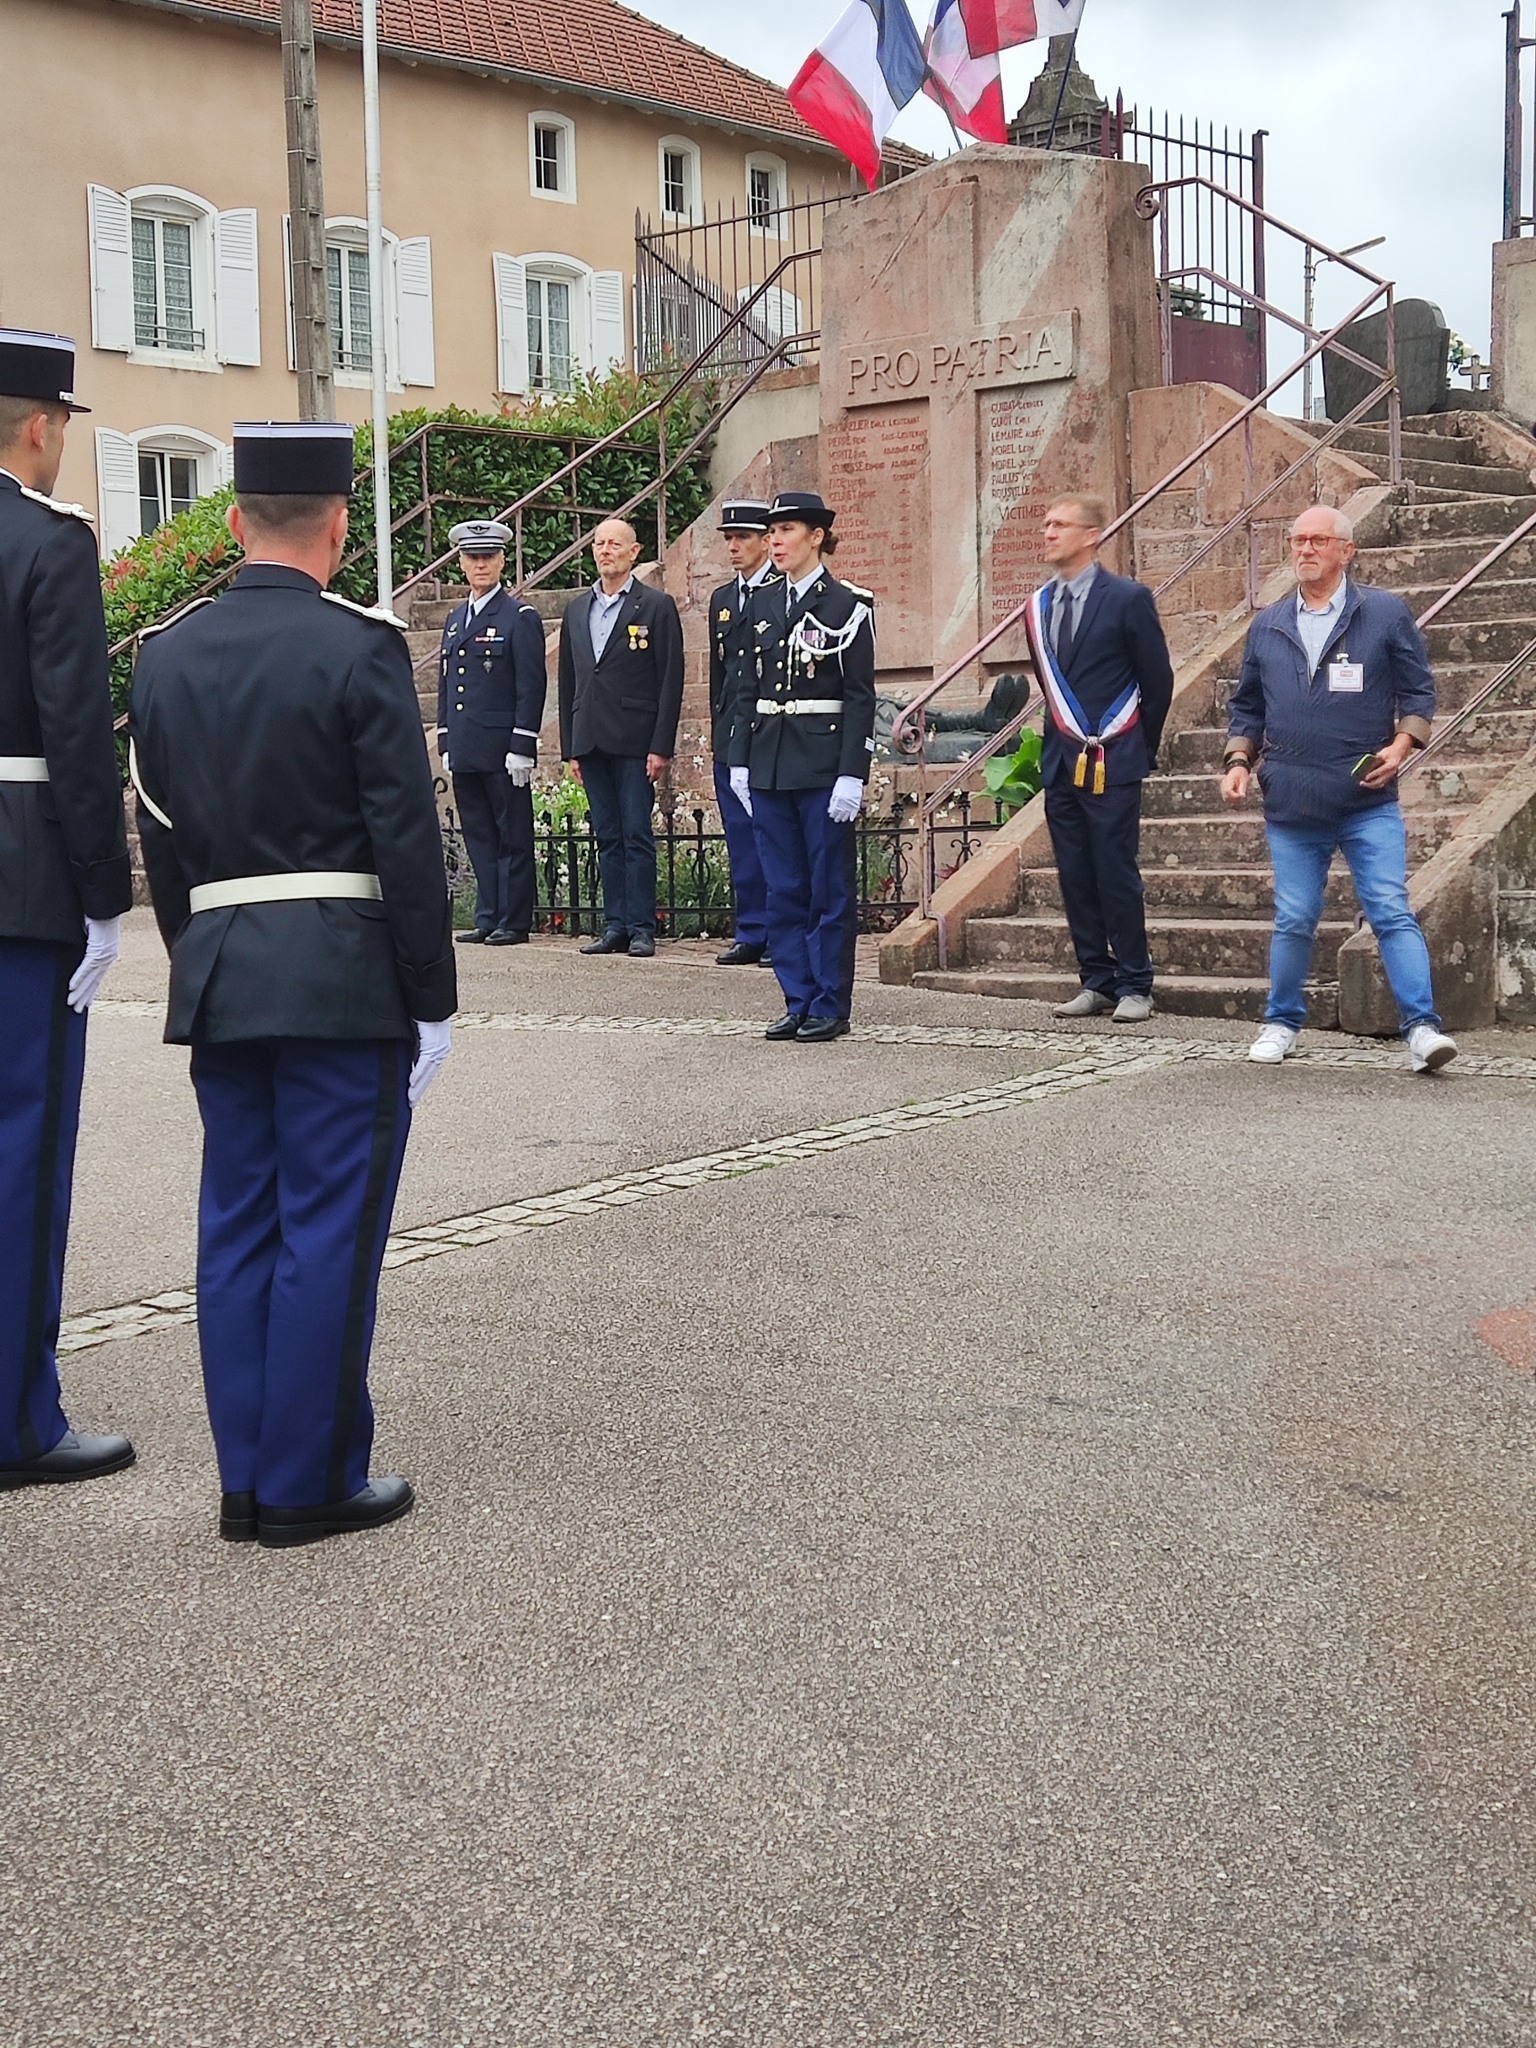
<point>679,177</point>
<point>766,180</point>
<point>143,479</point>
<point>555,318</point>
<point>552,156</point>
<point>167,485</point>
<point>346,276</point>
<point>173,276</point>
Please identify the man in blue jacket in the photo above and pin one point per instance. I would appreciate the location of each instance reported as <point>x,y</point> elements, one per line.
<point>1335,694</point>
<point>1099,652</point>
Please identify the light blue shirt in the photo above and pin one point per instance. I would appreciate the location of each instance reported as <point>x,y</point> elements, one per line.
<point>604,615</point>
<point>1080,586</point>
<point>1316,627</point>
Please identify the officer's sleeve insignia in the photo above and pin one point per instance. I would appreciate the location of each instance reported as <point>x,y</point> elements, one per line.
<point>175,619</point>
<point>366,611</point>
<point>59,505</point>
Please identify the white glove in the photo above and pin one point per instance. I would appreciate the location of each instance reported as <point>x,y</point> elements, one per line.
<point>846,801</point>
<point>434,1043</point>
<point>447,764</point>
<point>520,767</point>
<point>101,935</point>
<point>741,788</point>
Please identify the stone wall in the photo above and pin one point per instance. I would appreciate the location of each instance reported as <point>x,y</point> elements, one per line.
<point>1167,425</point>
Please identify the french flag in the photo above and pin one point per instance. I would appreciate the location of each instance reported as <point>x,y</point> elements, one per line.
<point>852,88</point>
<point>992,25</point>
<point>967,87</point>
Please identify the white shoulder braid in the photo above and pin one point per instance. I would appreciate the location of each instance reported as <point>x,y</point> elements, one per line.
<point>58,505</point>
<point>165,625</point>
<point>859,591</point>
<point>366,611</point>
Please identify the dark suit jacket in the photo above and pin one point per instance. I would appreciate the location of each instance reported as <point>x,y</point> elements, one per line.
<point>631,700</point>
<point>730,645</point>
<point>491,686</point>
<point>1117,641</point>
<point>63,849</point>
<point>807,750</point>
<point>279,732</point>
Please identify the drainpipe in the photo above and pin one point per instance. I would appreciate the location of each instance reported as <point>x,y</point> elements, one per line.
<point>376,289</point>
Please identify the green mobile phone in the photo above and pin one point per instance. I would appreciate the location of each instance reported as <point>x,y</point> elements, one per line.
<point>1363,765</point>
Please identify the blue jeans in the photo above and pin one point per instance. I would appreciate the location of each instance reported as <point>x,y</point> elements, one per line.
<point>621,799</point>
<point>1375,843</point>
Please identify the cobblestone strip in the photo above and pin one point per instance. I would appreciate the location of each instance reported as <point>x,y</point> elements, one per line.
<point>568,1205</point>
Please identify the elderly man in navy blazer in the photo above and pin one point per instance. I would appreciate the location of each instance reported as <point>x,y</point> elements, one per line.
<point>621,695</point>
<point>1334,696</point>
<point>1103,663</point>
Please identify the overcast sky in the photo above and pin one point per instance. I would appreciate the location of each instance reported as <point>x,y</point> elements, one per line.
<point>1382,118</point>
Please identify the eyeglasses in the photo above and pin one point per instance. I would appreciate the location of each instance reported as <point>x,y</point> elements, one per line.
<point>1069,526</point>
<point>1318,540</point>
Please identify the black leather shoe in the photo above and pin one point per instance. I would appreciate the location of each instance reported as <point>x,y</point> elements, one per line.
<point>788,1026</point>
<point>381,1501</point>
<point>474,937</point>
<point>505,938</point>
<point>72,1457</point>
<point>767,959</point>
<point>237,1517</point>
<point>739,955</point>
<point>610,942</point>
<point>817,1030</point>
<point>642,946</point>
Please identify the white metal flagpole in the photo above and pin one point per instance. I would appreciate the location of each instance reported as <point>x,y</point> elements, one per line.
<point>376,303</point>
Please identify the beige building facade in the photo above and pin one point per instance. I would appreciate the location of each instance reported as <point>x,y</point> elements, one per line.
<point>146,172</point>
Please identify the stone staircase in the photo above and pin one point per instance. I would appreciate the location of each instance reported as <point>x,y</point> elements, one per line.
<point>427,614</point>
<point>1208,888</point>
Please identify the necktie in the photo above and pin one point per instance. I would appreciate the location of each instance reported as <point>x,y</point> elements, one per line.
<point>1064,630</point>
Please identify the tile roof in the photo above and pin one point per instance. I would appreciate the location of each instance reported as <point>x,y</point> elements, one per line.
<point>593,45</point>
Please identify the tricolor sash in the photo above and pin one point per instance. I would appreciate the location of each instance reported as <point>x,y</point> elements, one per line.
<point>1067,714</point>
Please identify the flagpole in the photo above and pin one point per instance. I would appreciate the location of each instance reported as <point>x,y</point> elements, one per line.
<point>1066,73</point>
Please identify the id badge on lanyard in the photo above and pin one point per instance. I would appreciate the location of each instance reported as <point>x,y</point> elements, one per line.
<point>1346,675</point>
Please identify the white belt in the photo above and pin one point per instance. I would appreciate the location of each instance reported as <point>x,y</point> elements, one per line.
<point>798,707</point>
<point>283,889</point>
<point>23,768</point>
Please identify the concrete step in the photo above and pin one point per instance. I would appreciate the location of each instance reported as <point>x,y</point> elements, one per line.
<point>1454,476</point>
<point>1190,892</point>
<point>1492,642</point>
<point>430,614</point>
<point>1441,562</point>
<point>1491,597</point>
<point>1236,838</point>
<point>1225,948</point>
<point>1197,747</point>
<point>1466,518</point>
<point>1456,681</point>
<point>1179,995</point>
<point>1175,795</point>
<point>1417,446</point>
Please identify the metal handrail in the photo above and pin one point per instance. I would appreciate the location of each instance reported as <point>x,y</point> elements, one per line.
<point>1474,704</point>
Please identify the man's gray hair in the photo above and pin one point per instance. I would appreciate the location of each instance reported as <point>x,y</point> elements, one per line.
<point>1343,525</point>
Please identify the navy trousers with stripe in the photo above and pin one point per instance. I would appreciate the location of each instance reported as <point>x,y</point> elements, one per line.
<point>303,1141</point>
<point>42,1063</point>
<point>811,866</point>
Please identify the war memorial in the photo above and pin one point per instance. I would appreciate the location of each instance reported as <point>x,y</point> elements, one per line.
<point>1004,1531</point>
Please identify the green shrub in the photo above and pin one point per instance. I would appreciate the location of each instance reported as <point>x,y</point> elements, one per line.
<point>477,473</point>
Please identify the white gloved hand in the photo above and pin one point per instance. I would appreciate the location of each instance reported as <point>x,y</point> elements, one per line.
<point>520,767</point>
<point>846,800</point>
<point>447,764</point>
<point>741,788</point>
<point>101,935</point>
<point>434,1042</point>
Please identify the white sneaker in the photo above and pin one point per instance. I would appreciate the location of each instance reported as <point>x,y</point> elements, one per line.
<point>1429,1050</point>
<point>1276,1042</point>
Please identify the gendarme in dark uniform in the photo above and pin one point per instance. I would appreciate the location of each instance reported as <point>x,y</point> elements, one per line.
<point>64,882</point>
<point>293,850</point>
<point>744,523</point>
<point>490,705</point>
<point>801,750</point>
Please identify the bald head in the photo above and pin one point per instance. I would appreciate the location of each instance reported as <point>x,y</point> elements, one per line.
<point>1322,548</point>
<point>615,550</point>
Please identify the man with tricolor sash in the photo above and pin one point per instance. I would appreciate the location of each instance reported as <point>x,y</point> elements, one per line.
<point>1098,648</point>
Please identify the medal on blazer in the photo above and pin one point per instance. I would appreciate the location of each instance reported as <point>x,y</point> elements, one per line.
<point>639,638</point>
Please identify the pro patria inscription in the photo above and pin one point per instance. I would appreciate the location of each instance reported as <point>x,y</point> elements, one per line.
<point>1039,352</point>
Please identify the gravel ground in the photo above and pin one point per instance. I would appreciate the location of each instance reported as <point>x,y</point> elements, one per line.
<point>1057,1573</point>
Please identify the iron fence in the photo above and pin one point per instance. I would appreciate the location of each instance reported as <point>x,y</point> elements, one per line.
<point>693,883</point>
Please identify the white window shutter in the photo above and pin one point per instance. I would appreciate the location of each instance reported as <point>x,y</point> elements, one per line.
<point>117,489</point>
<point>413,280</point>
<point>293,347</point>
<point>608,351</point>
<point>238,311</point>
<point>511,275</point>
<point>223,466</point>
<point>111,224</point>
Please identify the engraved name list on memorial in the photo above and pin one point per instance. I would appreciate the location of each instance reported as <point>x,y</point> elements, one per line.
<point>877,472</point>
<point>1016,497</point>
